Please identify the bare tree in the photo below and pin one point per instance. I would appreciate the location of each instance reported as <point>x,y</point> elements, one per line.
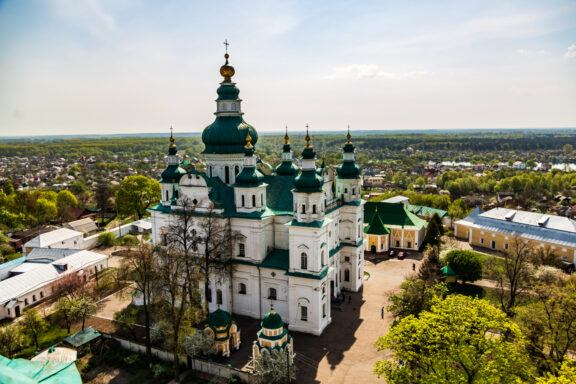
<point>143,262</point>
<point>71,286</point>
<point>173,299</point>
<point>206,240</point>
<point>512,273</point>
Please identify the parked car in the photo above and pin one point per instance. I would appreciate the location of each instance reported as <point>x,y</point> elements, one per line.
<point>392,254</point>
<point>401,255</point>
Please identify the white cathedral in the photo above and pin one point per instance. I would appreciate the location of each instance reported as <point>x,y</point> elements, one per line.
<point>300,230</point>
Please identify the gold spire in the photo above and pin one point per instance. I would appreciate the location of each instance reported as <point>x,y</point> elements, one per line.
<point>171,138</point>
<point>348,136</point>
<point>248,141</point>
<point>307,138</point>
<point>286,137</point>
<point>227,71</point>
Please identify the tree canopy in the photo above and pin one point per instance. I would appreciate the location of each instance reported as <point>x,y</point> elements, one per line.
<point>466,264</point>
<point>136,194</point>
<point>460,340</point>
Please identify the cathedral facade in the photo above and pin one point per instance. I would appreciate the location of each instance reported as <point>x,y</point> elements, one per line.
<point>299,239</point>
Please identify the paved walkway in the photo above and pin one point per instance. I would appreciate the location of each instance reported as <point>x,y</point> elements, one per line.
<point>345,352</point>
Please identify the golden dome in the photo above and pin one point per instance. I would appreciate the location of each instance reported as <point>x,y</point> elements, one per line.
<point>227,71</point>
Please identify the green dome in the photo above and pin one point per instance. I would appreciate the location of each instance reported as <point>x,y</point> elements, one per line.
<point>308,181</point>
<point>227,134</point>
<point>249,177</point>
<point>219,318</point>
<point>348,170</point>
<point>272,320</point>
<point>172,173</point>
<point>287,168</point>
<point>228,92</point>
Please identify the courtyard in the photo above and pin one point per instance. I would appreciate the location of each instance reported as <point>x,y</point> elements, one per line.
<point>344,353</point>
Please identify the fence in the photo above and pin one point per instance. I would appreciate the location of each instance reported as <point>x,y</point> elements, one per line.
<point>208,367</point>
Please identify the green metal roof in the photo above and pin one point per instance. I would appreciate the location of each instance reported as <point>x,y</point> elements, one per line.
<point>309,181</point>
<point>393,214</point>
<point>376,227</point>
<point>172,174</point>
<point>219,318</point>
<point>82,337</point>
<point>320,276</point>
<point>421,210</point>
<point>24,371</point>
<point>272,320</point>
<point>279,195</point>
<point>227,134</point>
<point>313,224</point>
<point>348,170</point>
<point>277,259</point>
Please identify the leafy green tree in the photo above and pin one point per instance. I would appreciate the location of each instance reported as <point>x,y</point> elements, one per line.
<point>8,188</point>
<point>84,306</point>
<point>550,323</point>
<point>10,339</point>
<point>567,149</point>
<point>45,211</point>
<point>33,325</point>
<point>466,264</point>
<point>434,231</point>
<point>125,320</point>
<point>66,307</point>
<point>460,340</point>
<point>566,374</point>
<point>274,367</point>
<point>429,270</point>
<point>78,187</point>
<point>200,344</point>
<point>136,194</point>
<point>457,209</point>
<point>64,201</point>
<point>415,296</point>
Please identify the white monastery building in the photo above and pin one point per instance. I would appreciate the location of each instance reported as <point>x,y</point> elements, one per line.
<point>299,230</point>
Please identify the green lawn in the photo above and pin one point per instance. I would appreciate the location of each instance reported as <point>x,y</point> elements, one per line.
<point>53,335</point>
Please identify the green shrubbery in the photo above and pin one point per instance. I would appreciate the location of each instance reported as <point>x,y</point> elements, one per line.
<point>129,240</point>
<point>107,239</point>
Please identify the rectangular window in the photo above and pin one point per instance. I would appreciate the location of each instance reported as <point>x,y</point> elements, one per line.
<point>481,240</point>
<point>25,301</point>
<point>303,209</point>
<point>33,298</point>
<point>242,250</point>
<point>397,244</point>
<point>493,244</point>
<point>409,244</point>
<point>304,314</point>
<point>346,258</point>
<point>324,310</point>
<point>314,208</point>
<point>505,245</point>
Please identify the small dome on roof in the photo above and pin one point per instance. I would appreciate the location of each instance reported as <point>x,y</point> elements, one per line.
<point>220,318</point>
<point>272,320</point>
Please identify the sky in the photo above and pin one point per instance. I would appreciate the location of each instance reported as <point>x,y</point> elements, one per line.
<point>132,66</point>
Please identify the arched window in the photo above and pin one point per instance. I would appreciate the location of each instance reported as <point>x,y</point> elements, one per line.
<point>210,171</point>
<point>303,260</point>
<point>271,293</point>
<point>303,208</point>
<point>209,295</point>
<point>262,199</point>
<point>236,170</point>
<point>346,275</point>
<point>253,200</point>
<point>353,191</point>
<point>227,175</point>
<point>242,288</point>
<point>219,297</point>
<point>243,201</point>
<point>167,198</point>
<point>323,258</point>
<point>314,208</point>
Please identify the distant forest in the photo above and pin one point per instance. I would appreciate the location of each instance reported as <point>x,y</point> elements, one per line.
<point>140,146</point>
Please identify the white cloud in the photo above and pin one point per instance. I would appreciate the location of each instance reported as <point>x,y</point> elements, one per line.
<point>371,71</point>
<point>523,52</point>
<point>571,52</point>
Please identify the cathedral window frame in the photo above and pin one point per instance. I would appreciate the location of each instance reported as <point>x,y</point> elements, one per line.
<point>242,289</point>
<point>347,274</point>
<point>243,198</point>
<point>272,293</point>
<point>209,295</point>
<point>219,297</point>
<point>304,260</point>
<point>253,201</point>
<point>241,250</point>
<point>304,313</point>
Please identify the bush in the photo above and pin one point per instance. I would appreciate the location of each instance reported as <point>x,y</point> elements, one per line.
<point>13,256</point>
<point>163,370</point>
<point>107,239</point>
<point>466,264</point>
<point>130,240</point>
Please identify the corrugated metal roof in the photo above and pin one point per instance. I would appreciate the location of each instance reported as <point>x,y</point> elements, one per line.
<point>86,225</point>
<point>53,237</point>
<point>559,230</point>
<point>23,283</point>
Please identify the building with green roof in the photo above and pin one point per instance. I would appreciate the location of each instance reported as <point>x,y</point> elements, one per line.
<point>406,230</point>
<point>272,336</point>
<point>221,326</point>
<point>298,230</point>
<point>22,371</point>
